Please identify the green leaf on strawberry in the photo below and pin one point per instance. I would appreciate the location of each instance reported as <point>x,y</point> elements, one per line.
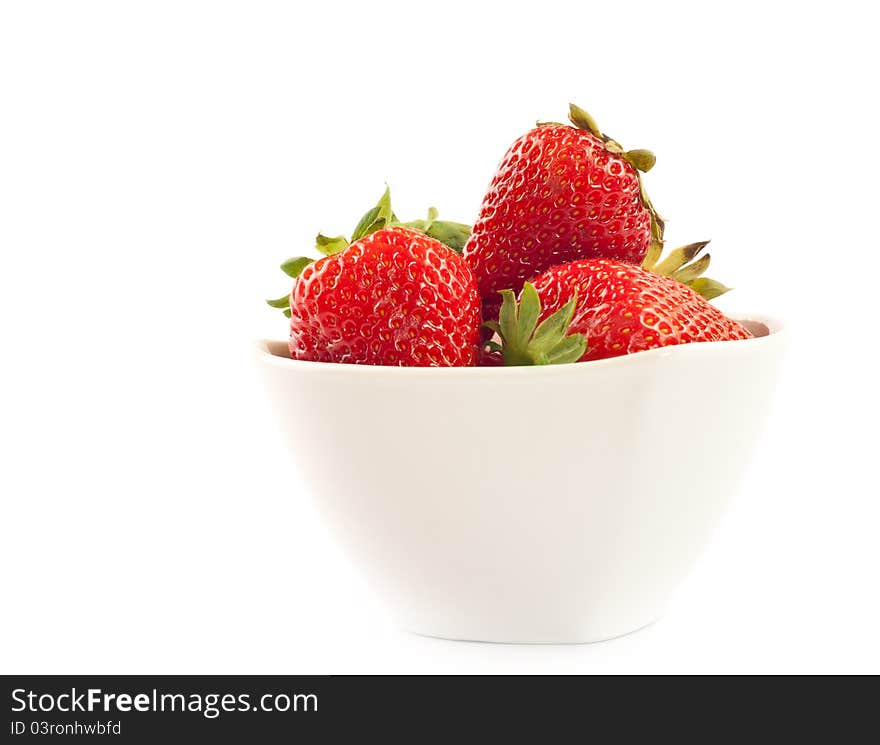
<point>452,234</point>
<point>330,246</point>
<point>376,218</point>
<point>526,342</point>
<point>682,264</point>
<point>642,160</point>
<point>708,288</point>
<point>293,267</point>
<point>282,303</point>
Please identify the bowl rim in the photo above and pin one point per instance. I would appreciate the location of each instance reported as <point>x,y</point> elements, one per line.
<point>776,330</point>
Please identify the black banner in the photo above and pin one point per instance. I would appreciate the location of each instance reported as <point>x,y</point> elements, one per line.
<point>258,709</point>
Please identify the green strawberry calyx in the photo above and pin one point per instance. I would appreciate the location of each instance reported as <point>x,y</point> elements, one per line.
<point>452,234</point>
<point>682,264</point>
<point>526,342</point>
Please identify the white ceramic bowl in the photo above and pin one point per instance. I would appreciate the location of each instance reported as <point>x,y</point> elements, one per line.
<point>544,504</point>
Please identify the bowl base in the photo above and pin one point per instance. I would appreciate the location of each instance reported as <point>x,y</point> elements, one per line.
<point>561,640</point>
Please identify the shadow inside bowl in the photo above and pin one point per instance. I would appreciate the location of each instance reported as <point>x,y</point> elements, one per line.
<point>756,328</point>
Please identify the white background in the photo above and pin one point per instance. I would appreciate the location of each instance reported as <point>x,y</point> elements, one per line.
<point>158,160</point>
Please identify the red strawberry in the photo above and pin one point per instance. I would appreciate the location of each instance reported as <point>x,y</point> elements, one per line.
<point>394,297</point>
<point>560,194</point>
<point>616,307</point>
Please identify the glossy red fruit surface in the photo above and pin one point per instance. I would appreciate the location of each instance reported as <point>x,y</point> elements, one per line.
<point>558,195</point>
<point>396,297</point>
<point>623,308</point>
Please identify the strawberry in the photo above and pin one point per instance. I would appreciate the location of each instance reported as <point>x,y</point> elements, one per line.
<point>561,193</point>
<point>395,294</point>
<point>615,307</point>
<point>394,297</point>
